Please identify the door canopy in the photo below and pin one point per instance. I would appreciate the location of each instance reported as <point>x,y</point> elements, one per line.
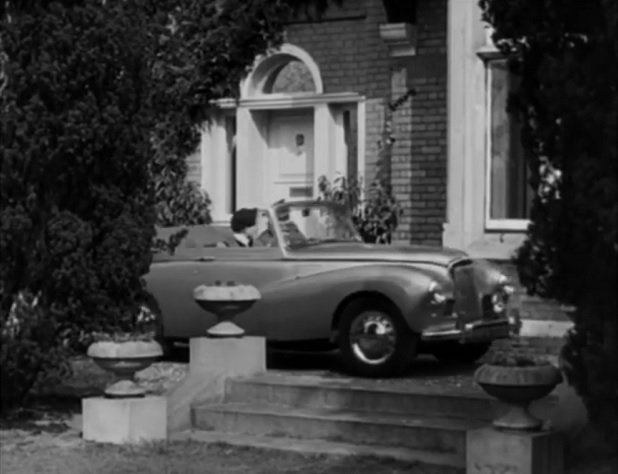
<point>288,70</point>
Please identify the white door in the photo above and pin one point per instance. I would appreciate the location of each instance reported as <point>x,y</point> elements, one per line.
<point>290,164</point>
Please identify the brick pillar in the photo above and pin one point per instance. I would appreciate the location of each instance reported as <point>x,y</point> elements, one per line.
<point>426,73</point>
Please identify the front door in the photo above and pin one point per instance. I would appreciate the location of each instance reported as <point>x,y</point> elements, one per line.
<point>290,164</point>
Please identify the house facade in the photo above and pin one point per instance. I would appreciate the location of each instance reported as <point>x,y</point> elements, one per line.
<point>320,104</point>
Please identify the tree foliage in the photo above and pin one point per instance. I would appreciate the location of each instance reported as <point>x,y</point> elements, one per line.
<point>101,103</point>
<point>565,52</point>
<point>205,48</point>
<point>76,203</point>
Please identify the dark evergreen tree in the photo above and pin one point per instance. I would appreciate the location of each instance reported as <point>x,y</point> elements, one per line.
<point>100,104</point>
<point>565,52</point>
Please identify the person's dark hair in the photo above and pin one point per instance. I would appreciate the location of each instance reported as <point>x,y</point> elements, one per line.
<point>243,218</point>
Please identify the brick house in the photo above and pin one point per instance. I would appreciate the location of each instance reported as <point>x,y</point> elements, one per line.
<point>317,107</point>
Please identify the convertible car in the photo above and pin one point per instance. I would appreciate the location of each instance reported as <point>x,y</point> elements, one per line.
<point>323,288</point>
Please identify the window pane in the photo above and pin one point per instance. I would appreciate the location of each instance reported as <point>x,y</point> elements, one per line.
<point>293,77</point>
<point>510,194</point>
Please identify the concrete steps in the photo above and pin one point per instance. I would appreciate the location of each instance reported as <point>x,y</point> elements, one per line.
<point>436,435</point>
<point>317,393</point>
<point>319,446</point>
<point>395,419</point>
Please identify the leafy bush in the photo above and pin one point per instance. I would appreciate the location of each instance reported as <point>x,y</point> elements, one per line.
<point>566,57</point>
<point>517,356</point>
<point>197,63</point>
<point>76,201</point>
<point>28,346</point>
<point>205,48</point>
<point>178,201</point>
<point>374,214</point>
<point>101,103</point>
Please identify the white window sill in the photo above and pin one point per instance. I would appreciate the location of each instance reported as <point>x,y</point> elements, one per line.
<point>507,225</point>
<point>496,246</point>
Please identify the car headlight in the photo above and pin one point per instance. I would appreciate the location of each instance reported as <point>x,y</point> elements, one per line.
<point>500,298</point>
<point>505,284</point>
<point>438,296</point>
<point>498,302</point>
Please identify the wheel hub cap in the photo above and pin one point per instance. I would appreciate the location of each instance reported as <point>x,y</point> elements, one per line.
<point>373,338</point>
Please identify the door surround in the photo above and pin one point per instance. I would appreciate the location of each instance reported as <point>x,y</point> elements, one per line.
<point>251,111</point>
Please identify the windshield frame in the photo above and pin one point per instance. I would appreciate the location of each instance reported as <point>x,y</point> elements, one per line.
<point>332,207</point>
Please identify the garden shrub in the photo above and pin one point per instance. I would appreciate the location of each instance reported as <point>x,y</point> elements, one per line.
<point>28,345</point>
<point>375,212</point>
<point>565,53</point>
<point>198,63</point>
<point>76,200</point>
<point>101,103</point>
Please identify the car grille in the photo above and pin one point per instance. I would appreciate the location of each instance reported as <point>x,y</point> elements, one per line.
<point>467,304</point>
<point>488,308</point>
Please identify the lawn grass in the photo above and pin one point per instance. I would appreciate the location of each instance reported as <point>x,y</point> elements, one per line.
<point>45,440</point>
<point>191,458</point>
<point>51,446</point>
<point>48,444</point>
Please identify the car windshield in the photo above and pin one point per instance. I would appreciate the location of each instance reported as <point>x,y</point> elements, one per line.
<point>314,224</point>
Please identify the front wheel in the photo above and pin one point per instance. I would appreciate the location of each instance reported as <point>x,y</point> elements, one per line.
<point>374,340</point>
<point>457,353</point>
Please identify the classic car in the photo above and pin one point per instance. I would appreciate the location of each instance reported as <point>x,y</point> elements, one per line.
<point>323,288</point>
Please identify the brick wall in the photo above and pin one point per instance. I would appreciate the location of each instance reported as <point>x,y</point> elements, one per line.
<point>352,58</point>
<point>427,160</point>
<point>402,166</point>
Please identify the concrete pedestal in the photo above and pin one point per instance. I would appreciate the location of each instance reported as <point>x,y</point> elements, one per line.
<point>491,451</point>
<point>124,420</point>
<point>211,363</point>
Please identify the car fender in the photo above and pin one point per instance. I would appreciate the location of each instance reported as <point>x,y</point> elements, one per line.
<point>318,294</point>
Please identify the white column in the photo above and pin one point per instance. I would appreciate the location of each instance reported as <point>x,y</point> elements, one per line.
<point>251,149</point>
<point>216,169</point>
<point>339,153</point>
<point>322,129</point>
<point>466,125</point>
<point>361,117</point>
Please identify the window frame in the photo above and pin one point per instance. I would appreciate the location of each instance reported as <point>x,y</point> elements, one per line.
<point>515,225</point>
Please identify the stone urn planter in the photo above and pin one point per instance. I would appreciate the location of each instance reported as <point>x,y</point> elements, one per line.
<point>124,359</point>
<point>517,382</point>
<point>225,302</point>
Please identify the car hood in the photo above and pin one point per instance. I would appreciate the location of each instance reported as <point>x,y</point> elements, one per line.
<point>373,252</point>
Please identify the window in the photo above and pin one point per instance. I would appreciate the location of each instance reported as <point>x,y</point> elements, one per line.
<point>293,77</point>
<point>509,195</point>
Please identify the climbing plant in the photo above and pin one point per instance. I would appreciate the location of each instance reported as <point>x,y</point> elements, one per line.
<point>205,48</point>
<point>375,211</point>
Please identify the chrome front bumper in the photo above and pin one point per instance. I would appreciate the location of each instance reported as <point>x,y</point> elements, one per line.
<point>477,331</point>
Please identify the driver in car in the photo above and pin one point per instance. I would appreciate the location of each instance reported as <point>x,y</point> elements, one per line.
<point>243,224</point>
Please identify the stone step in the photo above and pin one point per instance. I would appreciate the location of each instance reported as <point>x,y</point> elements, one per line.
<point>318,446</point>
<point>315,392</point>
<point>435,434</point>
